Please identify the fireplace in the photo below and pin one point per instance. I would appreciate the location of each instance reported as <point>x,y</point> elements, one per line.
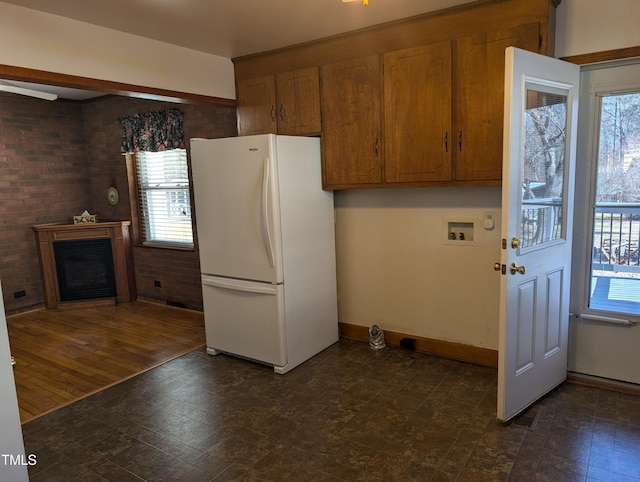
<point>89,264</point>
<point>85,269</point>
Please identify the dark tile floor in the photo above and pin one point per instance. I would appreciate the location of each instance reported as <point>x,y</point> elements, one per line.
<point>350,413</point>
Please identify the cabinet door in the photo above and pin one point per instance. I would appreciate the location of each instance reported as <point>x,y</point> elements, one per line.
<point>298,95</point>
<point>351,132</point>
<point>480,99</point>
<point>256,109</point>
<point>417,114</point>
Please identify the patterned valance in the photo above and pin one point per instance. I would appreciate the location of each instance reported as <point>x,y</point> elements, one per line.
<point>152,132</point>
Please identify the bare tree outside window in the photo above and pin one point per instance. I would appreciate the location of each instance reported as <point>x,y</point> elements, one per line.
<point>616,216</point>
<point>619,149</point>
<point>545,120</point>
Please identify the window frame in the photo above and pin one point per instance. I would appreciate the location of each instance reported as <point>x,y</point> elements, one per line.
<point>592,91</point>
<point>138,215</point>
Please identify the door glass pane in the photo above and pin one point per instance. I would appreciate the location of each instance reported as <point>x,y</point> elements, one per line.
<point>545,126</point>
<point>615,271</point>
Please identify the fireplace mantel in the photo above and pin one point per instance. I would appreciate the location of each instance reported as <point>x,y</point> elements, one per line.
<point>118,232</point>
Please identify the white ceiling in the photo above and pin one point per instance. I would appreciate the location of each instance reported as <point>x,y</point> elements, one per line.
<point>234,28</point>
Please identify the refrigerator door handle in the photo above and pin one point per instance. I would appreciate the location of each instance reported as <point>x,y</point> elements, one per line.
<point>266,185</point>
<point>239,285</point>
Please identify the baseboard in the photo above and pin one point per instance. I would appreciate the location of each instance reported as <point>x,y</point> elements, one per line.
<point>86,304</point>
<point>603,383</point>
<point>25,309</point>
<point>167,304</point>
<point>445,349</point>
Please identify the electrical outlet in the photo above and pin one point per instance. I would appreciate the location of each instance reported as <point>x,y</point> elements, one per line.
<point>157,283</point>
<point>19,294</point>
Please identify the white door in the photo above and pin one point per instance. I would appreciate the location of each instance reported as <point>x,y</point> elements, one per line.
<point>14,462</point>
<point>541,100</point>
<point>234,186</point>
<point>604,281</point>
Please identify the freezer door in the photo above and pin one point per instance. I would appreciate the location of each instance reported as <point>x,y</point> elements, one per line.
<point>235,194</point>
<point>245,319</point>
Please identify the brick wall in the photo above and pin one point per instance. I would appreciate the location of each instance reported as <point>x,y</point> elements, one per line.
<point>59,158</point>
<point>43,179</point>
<point>178,271</point>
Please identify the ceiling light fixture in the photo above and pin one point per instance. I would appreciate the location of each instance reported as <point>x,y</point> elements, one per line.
<point>364,2</point>
<point>7,87</point>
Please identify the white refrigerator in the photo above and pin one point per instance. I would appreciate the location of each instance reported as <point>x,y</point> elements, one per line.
<point>265,231</point>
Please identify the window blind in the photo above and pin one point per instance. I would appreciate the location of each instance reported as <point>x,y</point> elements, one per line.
<point>164,200</point>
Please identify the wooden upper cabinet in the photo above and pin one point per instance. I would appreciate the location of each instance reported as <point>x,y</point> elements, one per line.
<point>480,99</point>
<point>287,103</point>
<point>256,106</point>
<point>417,114</point>
<point>298,97</point>
<point>351,127</point>
<point>412,103</point>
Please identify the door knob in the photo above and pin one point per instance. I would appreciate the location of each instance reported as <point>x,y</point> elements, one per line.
<point>515,243</point>
<point>517,269</point>
<point>496,266</point>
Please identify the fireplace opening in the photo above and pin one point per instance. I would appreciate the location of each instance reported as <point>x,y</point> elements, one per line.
<point>85,269</point>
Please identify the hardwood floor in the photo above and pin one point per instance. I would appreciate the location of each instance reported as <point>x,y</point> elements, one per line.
<point>63,356</point>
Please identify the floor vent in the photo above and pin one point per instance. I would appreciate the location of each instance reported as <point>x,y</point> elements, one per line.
<point>529,418</point>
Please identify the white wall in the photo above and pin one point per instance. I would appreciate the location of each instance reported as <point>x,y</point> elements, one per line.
<point>587,26</point>
<point>42,41</point>
<point>395,270</point>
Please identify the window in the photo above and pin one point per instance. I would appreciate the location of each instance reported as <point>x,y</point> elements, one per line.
<point>615,271</point>
<point>545,120</point>
<point>153,144</point>
<point>606,261</point>
<point>163,197</point>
